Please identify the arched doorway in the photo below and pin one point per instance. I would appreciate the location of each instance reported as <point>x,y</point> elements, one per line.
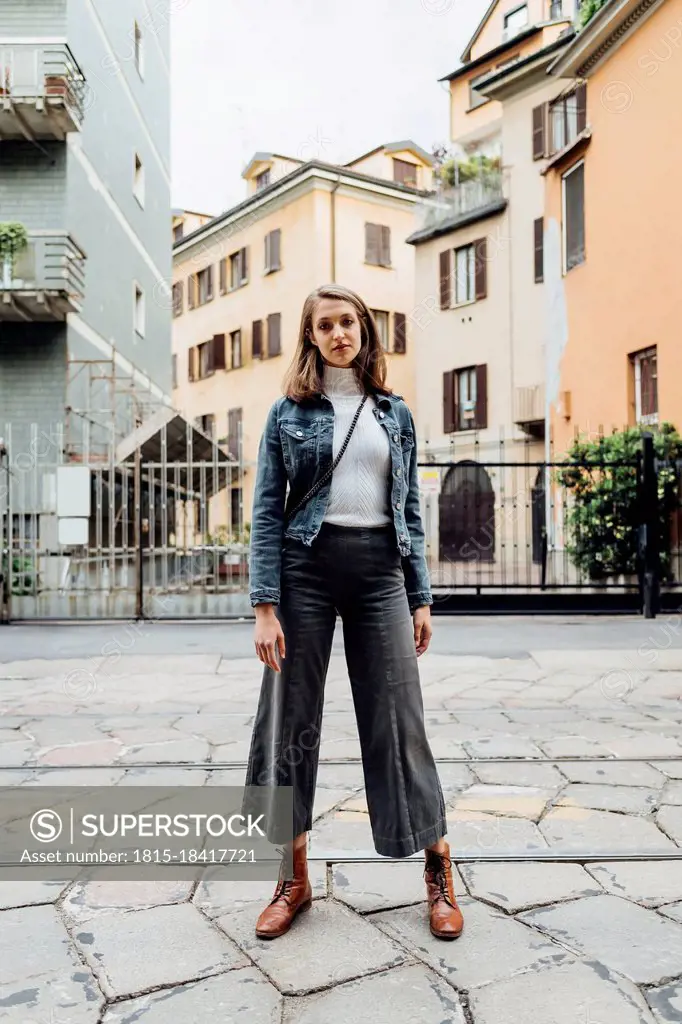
<point>466,507</point>
<point>539,525</point>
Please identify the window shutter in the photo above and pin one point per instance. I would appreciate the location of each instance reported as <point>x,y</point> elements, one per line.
<point>399,333</point>
<point>372,242</point>
<point>449,380</point>
<point>219,352</point>
<point>385,233</point>
<point>210,365</point>
<point>539,243</point>
<point>581,106</point>
<point>191,291</point>
<point>445,282</point>
<point>539,131</point>
<point>223,276</point>
<point>481,397</point>
<point>481,267</point>
<point>234,418</point>
<point>257,339</point>
<point>276,248</point>
<point>268,264</point>
<point>244,266</point>
<point>209,282</point>
<point>274,334</point>
<point>190,364</point>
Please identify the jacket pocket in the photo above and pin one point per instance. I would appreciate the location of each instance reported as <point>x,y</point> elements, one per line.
<point>299,443</point>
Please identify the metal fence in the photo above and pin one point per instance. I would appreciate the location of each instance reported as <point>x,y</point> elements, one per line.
<point>167,538</point>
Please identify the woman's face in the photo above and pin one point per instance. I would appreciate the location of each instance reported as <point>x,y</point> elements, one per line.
<point>336,331</point>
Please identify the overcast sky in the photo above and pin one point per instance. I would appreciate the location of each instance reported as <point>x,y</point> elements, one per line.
<point>307,78</point>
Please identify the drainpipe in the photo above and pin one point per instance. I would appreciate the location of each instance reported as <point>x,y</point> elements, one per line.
<point>332,242</point>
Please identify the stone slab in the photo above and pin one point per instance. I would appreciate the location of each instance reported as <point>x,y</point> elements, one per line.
<point>673,910</point>
<point>649,883</point>
<point>86,900</point>
<point>24,894</point>
<point>131,952</point>
<point>627,938</point>
<point>472,832</point>
<point>325,945</point>
<point>403,995</point>
<point>666,1003</point>
<point>491,947</point>
<point>672,793</point>
<point>578,993</point>
<point>670,820</point>
<point>625,799</point>
<point>371,887</point>
<point>35,943</point>
<point>518,886</point>
<point>632,773</point>
<point>544,776</point>
<point>239,995</point>
<point>574,828</point>
<point>63,998</point>
<point>511,801</point>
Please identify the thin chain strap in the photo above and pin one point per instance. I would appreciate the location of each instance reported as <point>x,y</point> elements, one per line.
<point>323,479</point>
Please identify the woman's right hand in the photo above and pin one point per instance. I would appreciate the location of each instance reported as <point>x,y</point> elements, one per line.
<point>268,636</point>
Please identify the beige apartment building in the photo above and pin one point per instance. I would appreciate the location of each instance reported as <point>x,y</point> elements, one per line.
<point>240,279</point>
<point>480,305</point>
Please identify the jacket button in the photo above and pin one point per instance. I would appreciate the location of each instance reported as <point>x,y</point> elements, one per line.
<point>398,472</point>
<point>395,437</point>
<point>381,415</point>
<point>402,537</point>
<point>299,433</point>
<point>397,504</point>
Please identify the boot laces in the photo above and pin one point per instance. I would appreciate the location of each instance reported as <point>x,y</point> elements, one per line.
<point>283,890</point>
<point>435,871</point>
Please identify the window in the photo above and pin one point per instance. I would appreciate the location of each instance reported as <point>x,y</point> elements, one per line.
<point>465,399</point>
<point>263,179</point>
<point>381,320</point>
<point>567,118</point>
<point>138,180</point>
<point>540,131</point>
<point>399,333</point>
<point>644,376</point>
<point>238,269</point>
<point>463,274</point>
<point>538,243</point>
<point>138,311</point>
<point>236,349</point>
<point>178,232</point>
<point>555,10</point>
<point>205,353</point>
<point>378,245</point>
<point>405,173</point>
<point>273,244</point>
<point>207,423</point>
<point>515,21</point>
<point>275,334</point>
<point>139,49</point>
<point>204,286</point>
<point>234,430</point>
<point>573,196</point>
<point>257,339</point>
<point>177,298</point>
<point>235,508</point>
<point>476,98</point>
<point>174,371</point>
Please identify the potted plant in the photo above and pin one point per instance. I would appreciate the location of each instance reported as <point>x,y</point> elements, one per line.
<point>13,240</point>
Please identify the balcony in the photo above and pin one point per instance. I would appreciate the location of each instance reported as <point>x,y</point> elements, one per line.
<point>46,281</point>
<point>452,203</point>
<point>42,91</point>
<point>529,409</point>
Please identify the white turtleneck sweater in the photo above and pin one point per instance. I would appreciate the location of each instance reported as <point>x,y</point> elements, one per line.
<point>359,486</point>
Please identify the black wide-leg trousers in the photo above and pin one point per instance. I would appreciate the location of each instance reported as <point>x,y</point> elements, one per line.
<point>357,572</point>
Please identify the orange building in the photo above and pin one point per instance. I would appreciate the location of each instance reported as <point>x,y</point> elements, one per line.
<point>613,230</point>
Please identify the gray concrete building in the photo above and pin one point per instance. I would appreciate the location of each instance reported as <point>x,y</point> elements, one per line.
<point>85,169</point>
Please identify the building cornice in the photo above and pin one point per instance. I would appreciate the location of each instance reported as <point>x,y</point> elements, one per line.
<point>463,220</point>
<point>603,34</point>
<point>299,182</point>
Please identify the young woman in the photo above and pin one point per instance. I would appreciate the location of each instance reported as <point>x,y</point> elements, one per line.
<point>354,546</point>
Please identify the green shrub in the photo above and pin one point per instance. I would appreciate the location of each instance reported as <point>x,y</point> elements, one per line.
<point>603,519</point>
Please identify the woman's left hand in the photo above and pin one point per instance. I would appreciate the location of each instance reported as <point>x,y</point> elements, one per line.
<point>422,628</point>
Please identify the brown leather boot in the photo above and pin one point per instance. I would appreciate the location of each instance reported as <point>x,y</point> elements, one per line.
<point>291,895</point>
<point>445,917</point>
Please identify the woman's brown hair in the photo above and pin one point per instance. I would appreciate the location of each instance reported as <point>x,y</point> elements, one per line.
<point>304,378</point>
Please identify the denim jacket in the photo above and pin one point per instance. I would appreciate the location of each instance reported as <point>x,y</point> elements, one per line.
<point>297,442</point>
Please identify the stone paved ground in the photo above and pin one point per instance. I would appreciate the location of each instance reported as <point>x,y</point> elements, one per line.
<point>574,751</point>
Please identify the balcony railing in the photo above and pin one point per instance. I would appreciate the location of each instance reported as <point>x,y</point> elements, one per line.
<point>46,281</point>
<point>529,408</point>
<point>457,201</point>
<point>42,90</point>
